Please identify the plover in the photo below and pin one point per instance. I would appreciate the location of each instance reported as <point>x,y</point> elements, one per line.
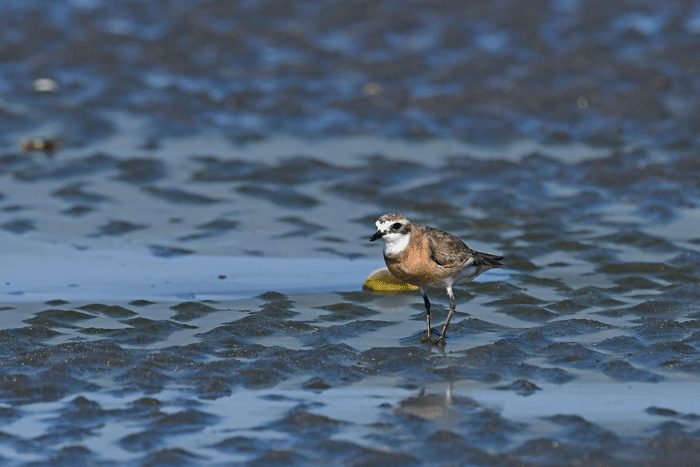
<point>428,257</point>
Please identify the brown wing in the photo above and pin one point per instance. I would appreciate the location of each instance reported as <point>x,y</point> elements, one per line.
<point>449,251</point>
<point>445,249</point>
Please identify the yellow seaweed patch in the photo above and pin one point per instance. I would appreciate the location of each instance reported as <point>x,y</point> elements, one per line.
<point>382,280</point>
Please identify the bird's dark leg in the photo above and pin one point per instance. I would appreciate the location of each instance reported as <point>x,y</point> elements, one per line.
<point>453,307</point>
<point>427,309</point>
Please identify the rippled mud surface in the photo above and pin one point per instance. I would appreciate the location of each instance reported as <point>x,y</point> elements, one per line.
<point>309,378</point>
<point>223,322</point>
<point>554,70</point>
<point>185,214</point>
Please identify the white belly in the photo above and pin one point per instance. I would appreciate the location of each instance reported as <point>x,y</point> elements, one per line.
<point>465,275</point>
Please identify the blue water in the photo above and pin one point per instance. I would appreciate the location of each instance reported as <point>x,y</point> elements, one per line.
<point>183,261</point>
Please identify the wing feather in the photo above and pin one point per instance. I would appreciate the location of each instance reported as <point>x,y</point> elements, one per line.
<point>449,251</point>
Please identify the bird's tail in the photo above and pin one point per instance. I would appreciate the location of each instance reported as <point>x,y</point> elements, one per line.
<point>492,261</point>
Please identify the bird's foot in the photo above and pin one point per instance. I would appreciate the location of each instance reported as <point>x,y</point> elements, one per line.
<point>427,339</point>
<point>433,338</point>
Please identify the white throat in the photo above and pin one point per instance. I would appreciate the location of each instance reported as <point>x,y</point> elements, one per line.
<point>395,243</point>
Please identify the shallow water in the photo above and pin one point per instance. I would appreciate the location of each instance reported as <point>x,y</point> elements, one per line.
<point>193,340</point>
<point>182,279</point>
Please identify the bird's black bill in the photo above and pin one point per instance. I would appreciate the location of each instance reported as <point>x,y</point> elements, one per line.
<point>377,235</point>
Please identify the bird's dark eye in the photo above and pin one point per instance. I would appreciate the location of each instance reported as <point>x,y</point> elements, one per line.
<point>396,226</point>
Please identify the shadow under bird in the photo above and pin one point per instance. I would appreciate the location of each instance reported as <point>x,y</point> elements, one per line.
<point>427,257</point>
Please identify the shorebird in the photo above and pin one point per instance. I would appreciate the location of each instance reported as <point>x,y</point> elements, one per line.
<point>428,257</point>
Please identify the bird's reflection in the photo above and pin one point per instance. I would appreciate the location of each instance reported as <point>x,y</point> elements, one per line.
<point>429,406</point>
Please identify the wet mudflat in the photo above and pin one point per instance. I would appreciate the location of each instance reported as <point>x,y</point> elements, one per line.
<point>304,379</point>
<point>584,351</point>
<point>182,263</point>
